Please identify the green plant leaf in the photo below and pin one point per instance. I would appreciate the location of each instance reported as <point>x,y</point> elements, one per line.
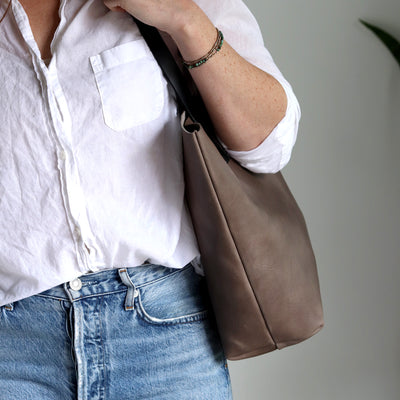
<point>390,42</point>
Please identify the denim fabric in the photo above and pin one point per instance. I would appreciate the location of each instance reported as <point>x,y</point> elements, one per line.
<point>137,333</point>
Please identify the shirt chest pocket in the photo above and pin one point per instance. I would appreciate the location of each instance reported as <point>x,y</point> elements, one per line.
<point>130,85</point>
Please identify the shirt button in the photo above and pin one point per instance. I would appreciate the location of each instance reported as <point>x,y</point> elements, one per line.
<point>76,284</point>
<point>77,231</point>
<point>63,155</point>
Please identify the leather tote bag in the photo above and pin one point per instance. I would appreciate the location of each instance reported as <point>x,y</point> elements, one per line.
<point>255,248</point>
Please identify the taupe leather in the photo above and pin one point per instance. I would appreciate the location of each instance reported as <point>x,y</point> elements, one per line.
<point>255,248</point>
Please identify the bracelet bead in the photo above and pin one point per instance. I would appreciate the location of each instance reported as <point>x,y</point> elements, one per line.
<point>215,49</point>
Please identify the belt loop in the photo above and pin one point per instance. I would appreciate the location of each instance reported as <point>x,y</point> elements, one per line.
<point>131,293</point>
<point>9,307</point>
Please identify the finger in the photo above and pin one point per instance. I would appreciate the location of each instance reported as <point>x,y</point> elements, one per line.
<point>113,5</point>
<point>118,9</point>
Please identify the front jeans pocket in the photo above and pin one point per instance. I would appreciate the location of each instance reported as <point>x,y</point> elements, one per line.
<point>179,298</point>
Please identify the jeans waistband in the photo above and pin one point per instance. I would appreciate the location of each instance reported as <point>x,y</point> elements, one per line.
<point>109,281</point>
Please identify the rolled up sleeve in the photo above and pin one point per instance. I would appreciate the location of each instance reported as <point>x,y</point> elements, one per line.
<point>275,151</point>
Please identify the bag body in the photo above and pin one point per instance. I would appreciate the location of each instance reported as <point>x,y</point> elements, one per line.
<point>255,249</point>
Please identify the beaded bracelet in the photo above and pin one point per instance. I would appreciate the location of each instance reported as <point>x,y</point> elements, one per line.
<point>216,47</point>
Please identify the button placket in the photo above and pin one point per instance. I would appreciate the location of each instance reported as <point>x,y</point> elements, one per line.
<point>71,186</point>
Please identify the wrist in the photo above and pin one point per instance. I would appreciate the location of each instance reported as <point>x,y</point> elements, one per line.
<point>193,33</point>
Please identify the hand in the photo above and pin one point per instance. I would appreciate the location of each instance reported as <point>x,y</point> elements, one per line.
<point>166,15</point>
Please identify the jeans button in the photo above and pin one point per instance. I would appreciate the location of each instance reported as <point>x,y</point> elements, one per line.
<point>75,284</point>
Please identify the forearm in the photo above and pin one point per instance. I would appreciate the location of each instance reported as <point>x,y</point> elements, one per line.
<point>244,102</point>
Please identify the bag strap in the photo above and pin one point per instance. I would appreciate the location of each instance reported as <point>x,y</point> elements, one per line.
<point>192,104</point>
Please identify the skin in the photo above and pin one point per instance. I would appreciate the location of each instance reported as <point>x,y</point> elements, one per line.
<point>244,103</point>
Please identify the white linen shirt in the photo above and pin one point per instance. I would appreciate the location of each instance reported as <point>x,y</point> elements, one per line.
<point>90,155</point>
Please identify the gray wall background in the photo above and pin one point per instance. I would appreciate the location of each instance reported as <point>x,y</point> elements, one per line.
<point>345,175</point>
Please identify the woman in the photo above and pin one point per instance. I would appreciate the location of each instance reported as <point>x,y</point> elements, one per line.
<point>101,286</point>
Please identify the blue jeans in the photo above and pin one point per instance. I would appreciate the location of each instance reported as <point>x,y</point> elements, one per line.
<point>131,333</point>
